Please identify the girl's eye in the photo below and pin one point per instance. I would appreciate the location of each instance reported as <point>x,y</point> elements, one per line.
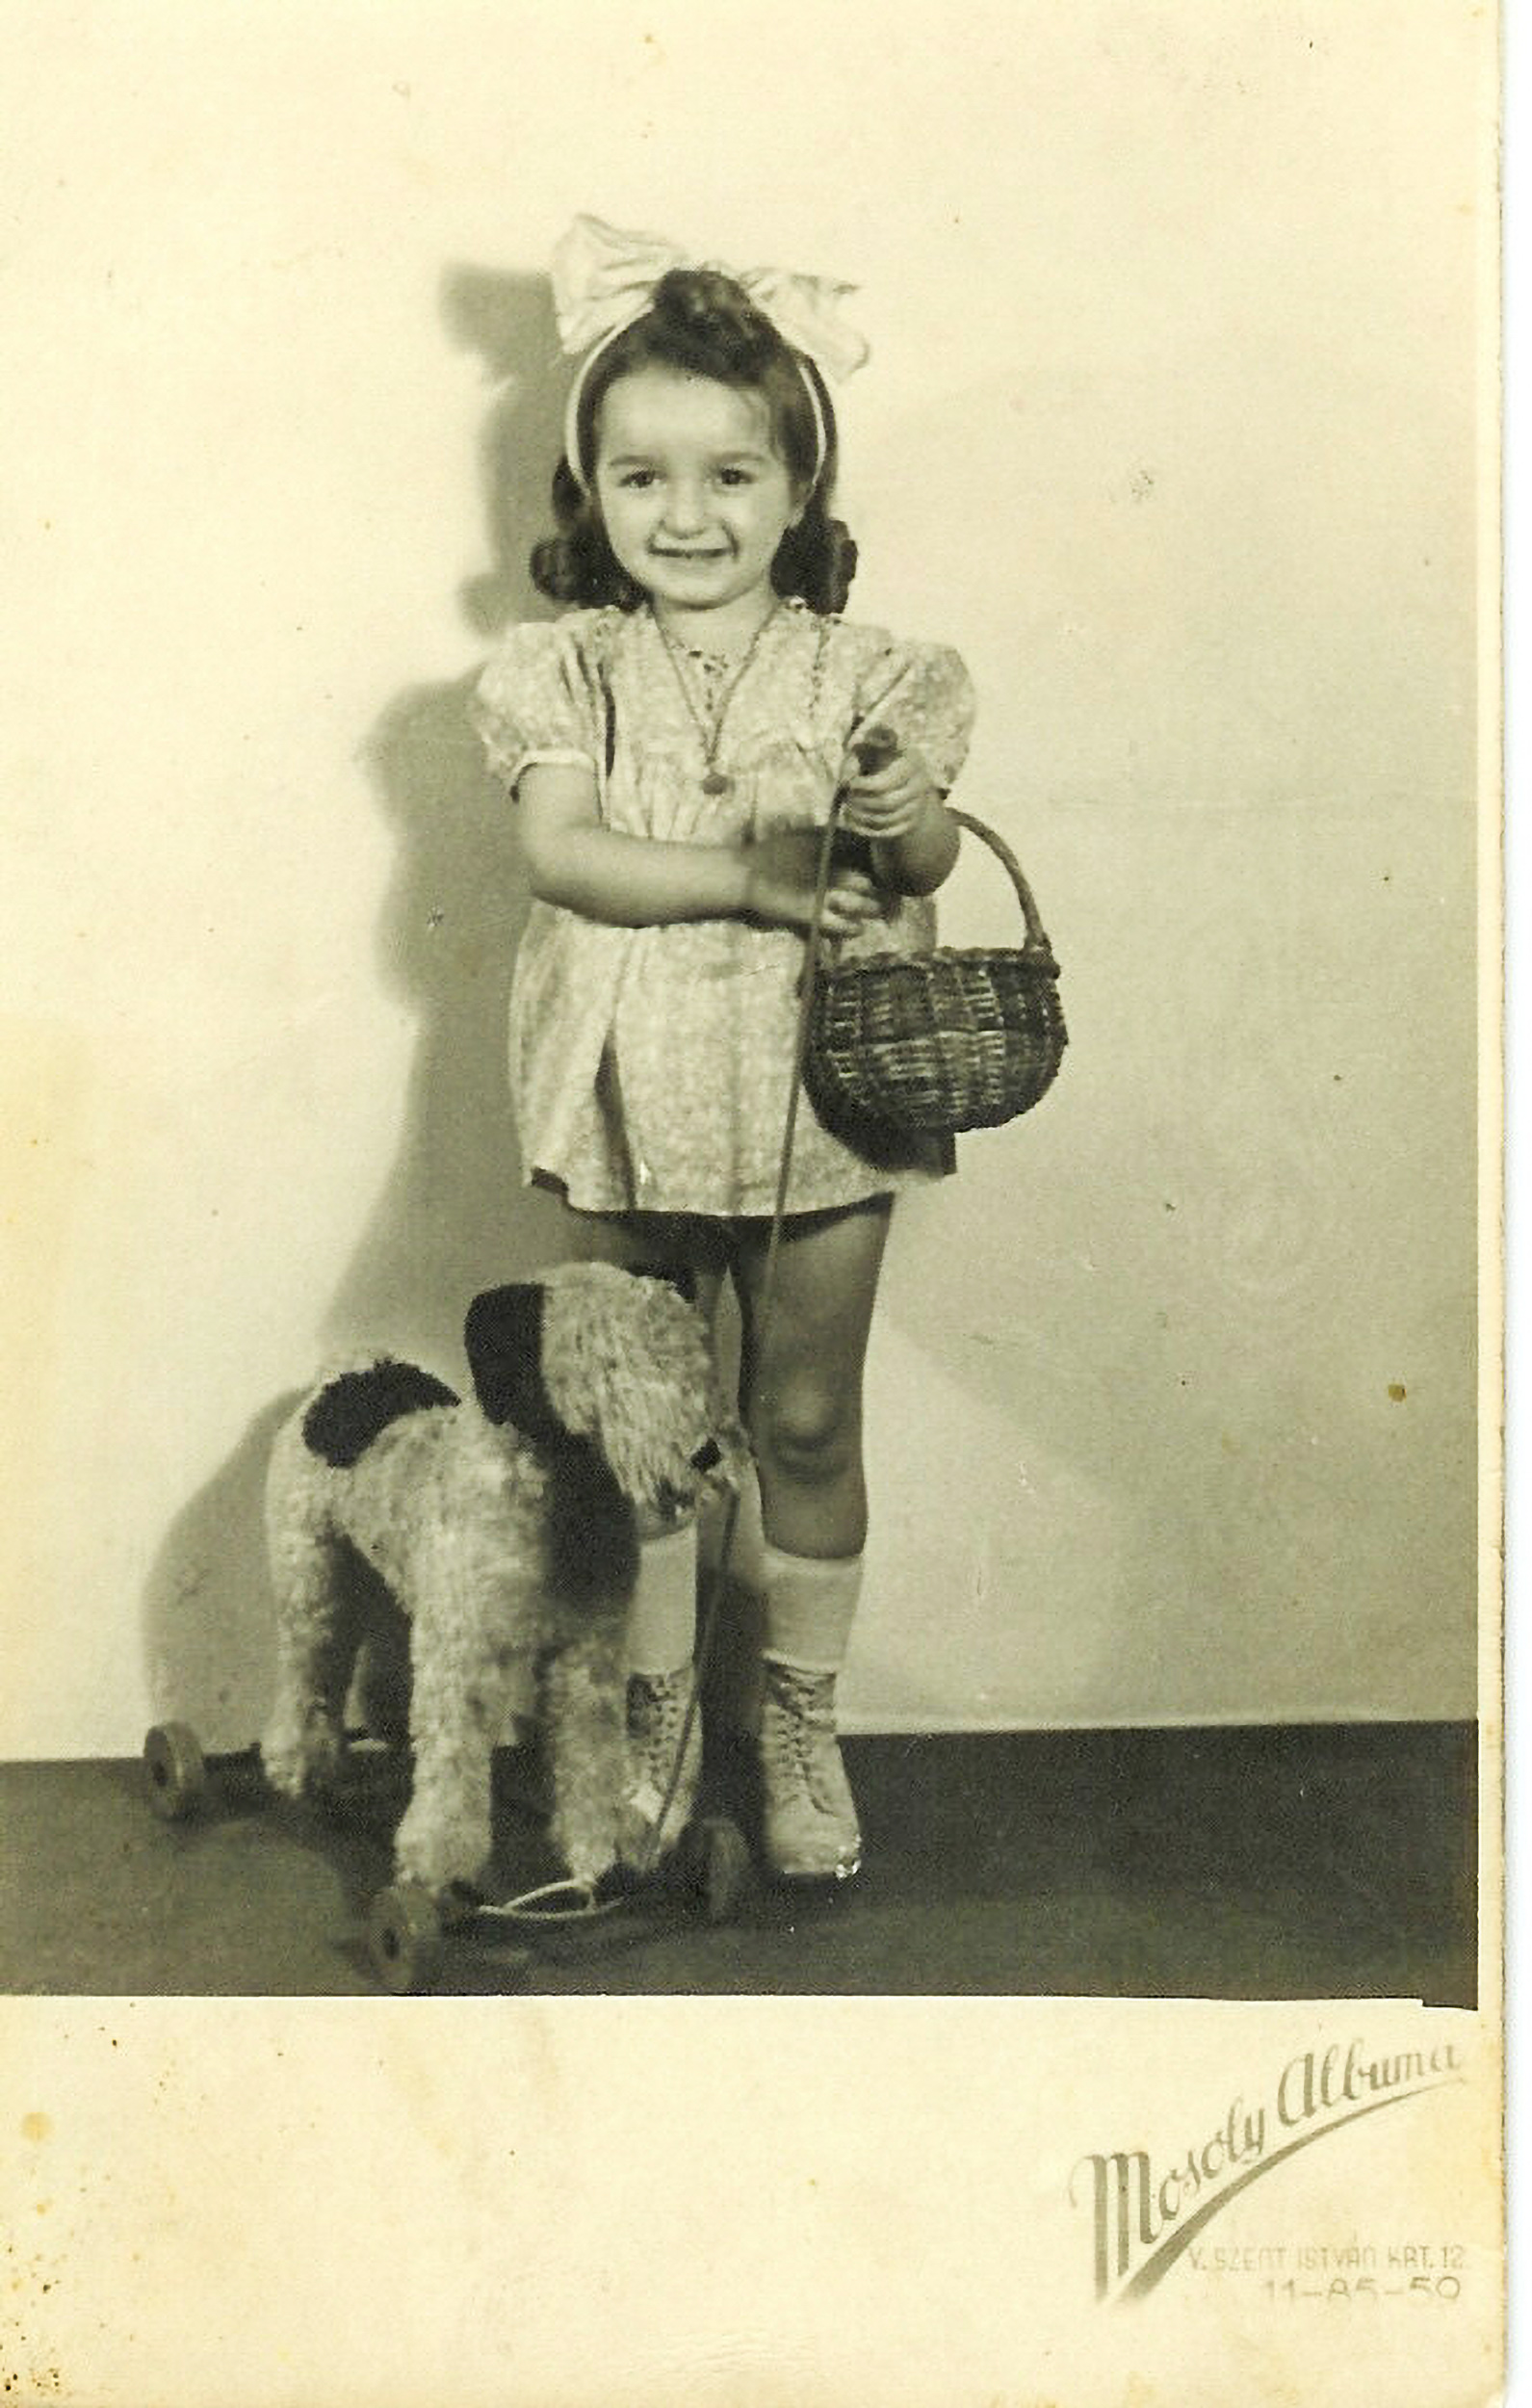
<point>636,478</point>
<point>733,476</point>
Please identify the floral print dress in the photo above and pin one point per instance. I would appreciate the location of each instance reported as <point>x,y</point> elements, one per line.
<point>650,1067</point>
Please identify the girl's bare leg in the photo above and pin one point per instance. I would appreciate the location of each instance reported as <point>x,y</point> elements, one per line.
<point>662,1628</point>
<point>805,1347</point>
<point>801,1378</point>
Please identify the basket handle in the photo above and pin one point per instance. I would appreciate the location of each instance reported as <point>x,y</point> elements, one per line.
<point>1036,935</point>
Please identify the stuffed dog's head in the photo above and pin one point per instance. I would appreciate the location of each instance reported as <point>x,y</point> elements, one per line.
<point>617,1357</point>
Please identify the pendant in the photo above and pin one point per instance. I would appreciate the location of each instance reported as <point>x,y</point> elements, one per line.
<point>717,782</point>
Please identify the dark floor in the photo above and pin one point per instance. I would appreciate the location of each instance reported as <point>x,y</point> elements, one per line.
<point>1290,1861</point>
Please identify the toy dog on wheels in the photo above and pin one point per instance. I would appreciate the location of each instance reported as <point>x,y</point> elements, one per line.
<point>505,1528</point>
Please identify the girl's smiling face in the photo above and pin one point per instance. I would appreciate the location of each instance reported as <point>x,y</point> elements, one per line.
<point>695,496</point>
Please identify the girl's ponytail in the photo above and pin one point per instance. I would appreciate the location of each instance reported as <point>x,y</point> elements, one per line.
<point>816,560</point>
<point>576,565</point>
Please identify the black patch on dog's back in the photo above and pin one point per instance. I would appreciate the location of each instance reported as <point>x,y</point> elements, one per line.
<point>350,1412</point>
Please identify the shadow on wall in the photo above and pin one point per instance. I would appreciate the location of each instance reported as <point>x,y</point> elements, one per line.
<point>207,1609</point>
<point>452,1215</point>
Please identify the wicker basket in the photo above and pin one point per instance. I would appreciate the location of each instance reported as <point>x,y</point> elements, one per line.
<point>929,1045</point>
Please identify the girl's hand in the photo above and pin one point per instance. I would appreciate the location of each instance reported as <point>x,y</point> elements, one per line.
<point>901,809</point>
<point>781,872</point>
<point>899,801</point>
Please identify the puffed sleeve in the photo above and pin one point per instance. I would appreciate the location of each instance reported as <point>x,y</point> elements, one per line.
<point>541,699</point>
<point>924,693</point>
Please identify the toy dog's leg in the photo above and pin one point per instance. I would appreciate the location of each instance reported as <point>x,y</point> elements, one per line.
<point>583,1711</point>
<point>463,1655</point>
<point>382,1682</point>
<point>317,1631</point>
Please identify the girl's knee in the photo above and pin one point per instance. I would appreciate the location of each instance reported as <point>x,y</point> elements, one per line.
<point>807,1431</point>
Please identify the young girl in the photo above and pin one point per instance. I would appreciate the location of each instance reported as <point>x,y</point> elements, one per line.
<point>674,742</point>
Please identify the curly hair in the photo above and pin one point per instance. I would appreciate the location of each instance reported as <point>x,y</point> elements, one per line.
<point>703,323</point>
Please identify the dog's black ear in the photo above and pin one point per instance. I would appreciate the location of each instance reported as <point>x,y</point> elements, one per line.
<point>679,1275</point>
<point>503,1340</point>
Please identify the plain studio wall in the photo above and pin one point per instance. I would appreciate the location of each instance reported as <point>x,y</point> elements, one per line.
<point>1170,427</point>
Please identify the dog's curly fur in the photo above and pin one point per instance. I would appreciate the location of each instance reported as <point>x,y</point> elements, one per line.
<point>507,1530</point>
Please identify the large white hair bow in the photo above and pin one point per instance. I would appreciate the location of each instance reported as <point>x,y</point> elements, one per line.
<point>603,280</point>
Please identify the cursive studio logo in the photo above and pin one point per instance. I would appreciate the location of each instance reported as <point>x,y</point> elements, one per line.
<point>1143,2214</point>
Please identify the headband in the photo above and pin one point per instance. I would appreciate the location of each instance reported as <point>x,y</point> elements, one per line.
<point>603,281</point>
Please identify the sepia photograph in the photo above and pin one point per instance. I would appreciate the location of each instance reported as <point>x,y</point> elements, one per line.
<point>752,807</point>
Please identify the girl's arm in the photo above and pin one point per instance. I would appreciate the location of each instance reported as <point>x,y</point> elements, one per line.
<point>641,881</point>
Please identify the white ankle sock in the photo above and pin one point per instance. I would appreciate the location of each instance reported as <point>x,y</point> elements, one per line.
<point>662,1618</point>
<point>810,1607</point>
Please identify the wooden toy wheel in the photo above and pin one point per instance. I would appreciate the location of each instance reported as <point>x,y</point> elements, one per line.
<point>719,1865</point>
<point>176,1770</point>
<point>405,1939</point>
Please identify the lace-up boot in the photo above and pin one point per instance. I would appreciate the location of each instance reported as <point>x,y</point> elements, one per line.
<point>657,1718</point>
<point>809,1825</point>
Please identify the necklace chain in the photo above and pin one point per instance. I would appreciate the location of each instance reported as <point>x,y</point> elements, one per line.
<point>714,781</point>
